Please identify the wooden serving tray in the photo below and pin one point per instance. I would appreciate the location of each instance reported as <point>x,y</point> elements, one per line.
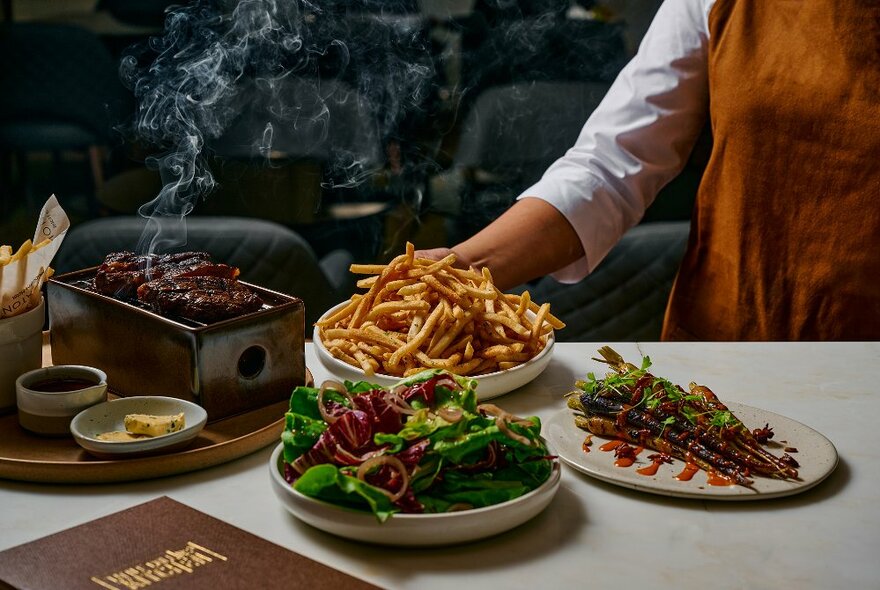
<point>27,457</point>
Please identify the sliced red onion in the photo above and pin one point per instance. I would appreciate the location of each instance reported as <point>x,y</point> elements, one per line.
<point>355,459</point>
<point>451,415</point>
<point>503,420</point>
<point>332,386</point>
<point>392,462</point>
<point>504,427</point>
<point>398,404</point>
<point>490,409</point>
<point>448,382</point>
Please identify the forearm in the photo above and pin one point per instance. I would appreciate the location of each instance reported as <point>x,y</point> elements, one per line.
<point>529,240</point>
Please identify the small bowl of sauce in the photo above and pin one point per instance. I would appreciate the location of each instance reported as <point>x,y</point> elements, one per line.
<point>50,397</point>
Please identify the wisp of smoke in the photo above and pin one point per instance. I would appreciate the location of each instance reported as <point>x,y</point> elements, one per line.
<point>277,69</point>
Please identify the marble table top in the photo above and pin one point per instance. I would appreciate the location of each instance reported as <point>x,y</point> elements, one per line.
<point>594,534</point>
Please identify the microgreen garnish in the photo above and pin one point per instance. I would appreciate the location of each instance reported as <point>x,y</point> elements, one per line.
<point>690,413</point>
<point>668,422</point>
<point>656,393</point>
<point>721,419</point>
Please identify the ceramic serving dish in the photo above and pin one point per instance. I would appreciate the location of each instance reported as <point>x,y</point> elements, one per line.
<point>228,367</point>
<point>109,416</point>
<point>491,385</point>
<point>413,530</point>
<point>50,397</point>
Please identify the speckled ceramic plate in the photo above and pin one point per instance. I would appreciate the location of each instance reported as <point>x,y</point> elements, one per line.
<point>815,453</point>
<point>109,416</point>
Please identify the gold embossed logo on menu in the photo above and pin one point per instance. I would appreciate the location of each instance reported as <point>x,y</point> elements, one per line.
<point>172,563</point>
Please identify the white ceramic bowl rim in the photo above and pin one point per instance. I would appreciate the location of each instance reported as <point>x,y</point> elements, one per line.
<point>25,380</point>
<point>109,416</point>
<point>22,325</point>
<point>316,338</point>
<point>181,403</point>
<point>276,461</point>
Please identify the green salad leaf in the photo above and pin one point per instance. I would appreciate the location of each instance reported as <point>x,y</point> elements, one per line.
<point>328,483</point>
<point>455,455</point>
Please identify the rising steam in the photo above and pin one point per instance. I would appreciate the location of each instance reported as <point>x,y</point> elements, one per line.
<point>241,78</point>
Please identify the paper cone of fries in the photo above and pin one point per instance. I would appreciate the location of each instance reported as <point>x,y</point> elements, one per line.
<point>24,270</point>
<point>22,273</point>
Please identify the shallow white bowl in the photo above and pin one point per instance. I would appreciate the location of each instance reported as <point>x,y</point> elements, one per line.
<point>489,385</point>
<point>412,530</point>
<point>109,416</point>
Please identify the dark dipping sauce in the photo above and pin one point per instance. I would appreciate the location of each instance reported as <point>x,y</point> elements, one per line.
<point>62,384</point>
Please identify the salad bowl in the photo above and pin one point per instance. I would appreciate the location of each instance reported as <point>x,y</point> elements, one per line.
<point>412,530</point>
<point>491,385</point>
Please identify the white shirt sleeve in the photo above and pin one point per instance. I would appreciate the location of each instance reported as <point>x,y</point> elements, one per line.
<point>637,139</point>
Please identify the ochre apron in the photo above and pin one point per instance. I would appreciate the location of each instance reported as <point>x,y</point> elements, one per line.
<point>785,236</point>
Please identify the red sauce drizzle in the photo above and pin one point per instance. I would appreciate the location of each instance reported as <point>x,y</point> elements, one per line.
<point>650,469</point>
<point>688,472</point>
<point>627,460</point>
<point>716,479</point>
<point>588,442</point>
<point>611,445</point>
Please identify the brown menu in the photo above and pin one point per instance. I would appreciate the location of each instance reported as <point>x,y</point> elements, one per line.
<point>162,545</point>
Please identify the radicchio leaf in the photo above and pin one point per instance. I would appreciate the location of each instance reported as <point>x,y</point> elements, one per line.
<point>383,417</point>
<point>344,441</point>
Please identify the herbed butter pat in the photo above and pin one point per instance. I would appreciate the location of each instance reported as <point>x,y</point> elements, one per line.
<point>153,425</point>
<point>120,436</point>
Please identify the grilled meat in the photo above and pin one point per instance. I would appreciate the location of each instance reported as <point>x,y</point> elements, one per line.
<point>123,272</point>
<point>201,298</point>
<point>183,284</point>
<point>694,425</point>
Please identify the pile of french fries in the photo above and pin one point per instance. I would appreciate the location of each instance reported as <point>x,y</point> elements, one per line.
<point>20,285</point>
<point>7,257</point>
<point>420,313</point>
<point>24,271</point>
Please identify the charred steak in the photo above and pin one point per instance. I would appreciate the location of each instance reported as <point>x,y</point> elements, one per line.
<point>201,298</point>
<point>123,272</point>
<point>185,284</point>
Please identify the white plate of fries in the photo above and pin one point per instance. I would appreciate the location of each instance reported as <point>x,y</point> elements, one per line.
<point>425,314</point>
<point>491,384</point>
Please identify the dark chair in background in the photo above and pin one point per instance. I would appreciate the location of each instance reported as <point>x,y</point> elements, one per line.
<point>509,138</point>
<point>624,298</point>
<point>298,118</point>
<point>517,41</point>
<point>61,92</point>
<point>137,12</point>
<point>268,254</point>
<point>123,23</point>
<point>298,150</point>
